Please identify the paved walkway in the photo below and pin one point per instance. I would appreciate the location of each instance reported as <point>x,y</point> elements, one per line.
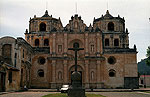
<point>26,94</point>
<point>124,94</point>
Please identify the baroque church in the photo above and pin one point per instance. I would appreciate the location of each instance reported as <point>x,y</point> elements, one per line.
<point>43,60</point>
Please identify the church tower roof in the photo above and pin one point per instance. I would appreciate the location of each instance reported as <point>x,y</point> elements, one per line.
<point>108,15</point>
<point>46,14</point>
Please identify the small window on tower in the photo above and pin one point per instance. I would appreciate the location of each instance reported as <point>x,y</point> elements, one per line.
<point>106,42</point>
<point>28,37</point>
<point>46,42</point>
<point>36,42</point>
<point>116,42</point>
<point>42,27</point>
<point>111,26</point>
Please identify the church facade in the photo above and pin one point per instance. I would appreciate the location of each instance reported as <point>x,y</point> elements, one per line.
<point>106,61</point>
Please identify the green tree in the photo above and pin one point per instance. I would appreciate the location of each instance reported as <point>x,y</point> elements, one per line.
<point>148,56</point>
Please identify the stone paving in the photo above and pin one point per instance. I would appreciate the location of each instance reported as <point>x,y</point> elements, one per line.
<point>124,94</point>
<point>107,94</point>
<point>26,94</point>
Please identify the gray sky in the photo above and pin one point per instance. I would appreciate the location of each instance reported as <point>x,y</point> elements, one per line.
<point>15,15</point>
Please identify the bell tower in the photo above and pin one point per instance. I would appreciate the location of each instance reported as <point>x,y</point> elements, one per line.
<point>39,29</point>
<point>115,35</point>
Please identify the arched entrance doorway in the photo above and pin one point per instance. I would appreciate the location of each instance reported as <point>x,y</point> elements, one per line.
<point>72,69</point>
<point>2,79</point>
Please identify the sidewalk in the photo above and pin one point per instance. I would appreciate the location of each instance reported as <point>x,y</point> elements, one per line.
<point>10,92</point>
<point>1,93</point>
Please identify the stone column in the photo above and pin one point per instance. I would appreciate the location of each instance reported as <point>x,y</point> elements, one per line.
<point>51,44</point>
<point>98,44</point>
<point>65,72</point>
<point>65,44</point>
<point>20,57</point>
<point>53,85</point>
<point>98,74</point>
<point>101,44</point>
<point>86,73</point>
<point>111,40</point>
<point>102,71</point>
<point>42,41</point>
<point>86,44</point>
<point>54,44</point>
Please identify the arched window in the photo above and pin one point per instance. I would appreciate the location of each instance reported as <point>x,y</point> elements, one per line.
<point>111,26</point>
<point>116,42</point>
<point>36,42</point>
<point>112,73</point>
<point>42,27</point>
<point>76,44</point>
<point>106,42</point>
<point>40,73</point>
<point>46,42</point>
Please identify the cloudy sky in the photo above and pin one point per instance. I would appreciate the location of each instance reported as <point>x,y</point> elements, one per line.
<point>15,15</point>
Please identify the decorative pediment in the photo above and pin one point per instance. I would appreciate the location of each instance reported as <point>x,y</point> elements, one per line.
<point>76,24</point>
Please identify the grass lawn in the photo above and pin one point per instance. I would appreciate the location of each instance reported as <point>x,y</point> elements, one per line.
<point>147,91</point>
<point>65,95</point>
